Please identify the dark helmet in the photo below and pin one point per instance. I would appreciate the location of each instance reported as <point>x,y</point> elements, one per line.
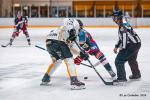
<point>117,16</point>
<point>80,22</point>
<point>117,13</point>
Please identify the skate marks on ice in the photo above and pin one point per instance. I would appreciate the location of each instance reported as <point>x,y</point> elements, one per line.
<point>13,75</point>
<point>19,73</point>
<point>19,68</point>
<point>144,87</point>
<point>15,46</point>
<point>58,90</point>
<point>25,82</point>
<point>136,91</point>
<point>31,90</point>
<point>143,91</point>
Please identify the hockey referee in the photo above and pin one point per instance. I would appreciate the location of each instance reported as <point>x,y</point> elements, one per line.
<point>128,46</point>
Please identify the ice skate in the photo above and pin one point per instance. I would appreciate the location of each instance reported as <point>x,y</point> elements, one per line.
<point>120,82</point>
<point>135,77</point>
<point>76,85</point>
<point>45,80</point>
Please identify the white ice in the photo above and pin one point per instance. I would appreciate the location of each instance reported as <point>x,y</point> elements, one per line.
<point>22,68</point>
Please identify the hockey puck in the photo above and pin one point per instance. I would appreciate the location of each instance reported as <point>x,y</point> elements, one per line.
<point>85,77</point>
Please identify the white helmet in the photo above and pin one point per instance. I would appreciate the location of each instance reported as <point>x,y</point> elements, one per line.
<point>70,23</point>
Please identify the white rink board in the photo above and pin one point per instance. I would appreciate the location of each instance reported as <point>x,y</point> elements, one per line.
<point>22,68</point>
<point>86,21</point>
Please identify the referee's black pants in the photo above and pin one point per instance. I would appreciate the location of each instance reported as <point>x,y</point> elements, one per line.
<point>129,54</point>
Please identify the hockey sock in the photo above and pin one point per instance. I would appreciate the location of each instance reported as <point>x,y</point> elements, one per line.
<point>50,67</point>
<point>107,67</point>
<point>106,64</point>
<point>70,67</point>
<point>53,66</point>
<point>103,61</point>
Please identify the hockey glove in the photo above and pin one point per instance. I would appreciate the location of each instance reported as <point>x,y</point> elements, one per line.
<point>78,60</point>
<point>89,50</point>
<point>84,55</point>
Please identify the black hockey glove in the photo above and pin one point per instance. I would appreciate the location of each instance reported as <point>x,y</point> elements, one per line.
<point>72,35</point>
<point>85,56</point>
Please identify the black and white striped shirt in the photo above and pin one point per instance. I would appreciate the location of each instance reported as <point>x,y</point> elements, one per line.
<point>126,35</point>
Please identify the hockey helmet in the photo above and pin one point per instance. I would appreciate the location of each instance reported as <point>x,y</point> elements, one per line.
<point>117,15</point>
<point>70,24</point>
<point>19,14</point>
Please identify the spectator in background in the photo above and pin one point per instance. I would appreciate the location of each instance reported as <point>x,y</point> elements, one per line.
<point>138,10</point>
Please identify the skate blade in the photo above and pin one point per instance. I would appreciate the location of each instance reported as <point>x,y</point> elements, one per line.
<point>139,79</point>
<point>45,84</point>
<point>77,87</point>
<point>119,83</point>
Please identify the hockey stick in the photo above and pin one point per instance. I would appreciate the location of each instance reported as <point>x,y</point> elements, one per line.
<point>106,83</point>
<point>5,45</point>
<point>96,64</point>
<point>40,47</point>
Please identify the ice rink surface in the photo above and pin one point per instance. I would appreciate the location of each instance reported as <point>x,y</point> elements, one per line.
<point>22,68</point>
